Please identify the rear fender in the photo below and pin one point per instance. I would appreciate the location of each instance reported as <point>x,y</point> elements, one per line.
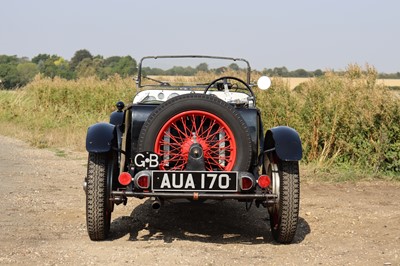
<point>285,141</point>
<point>100,137</point>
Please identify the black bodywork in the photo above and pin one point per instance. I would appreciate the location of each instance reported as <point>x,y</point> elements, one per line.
<point>105,137</point>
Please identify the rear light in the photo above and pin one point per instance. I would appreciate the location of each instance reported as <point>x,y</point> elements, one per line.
<point>247,183</point>
<point>264,181</point>
<point>124,178</point>
<point>143,181</point>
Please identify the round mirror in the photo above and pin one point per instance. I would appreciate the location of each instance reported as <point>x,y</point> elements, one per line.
<point>264,83</point>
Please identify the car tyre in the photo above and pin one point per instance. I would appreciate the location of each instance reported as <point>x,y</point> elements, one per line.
<point>98,205</point>
<point>285,182</point>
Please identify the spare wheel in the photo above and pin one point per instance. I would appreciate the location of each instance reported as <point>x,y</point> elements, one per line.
<point>175,125</point>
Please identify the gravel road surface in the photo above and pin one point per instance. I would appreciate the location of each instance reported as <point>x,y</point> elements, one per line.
<point>42,222</point>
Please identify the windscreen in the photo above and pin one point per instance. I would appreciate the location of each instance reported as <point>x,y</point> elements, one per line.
<point>189,71</point>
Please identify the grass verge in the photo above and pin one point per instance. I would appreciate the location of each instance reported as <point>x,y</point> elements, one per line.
<point>349,124</point>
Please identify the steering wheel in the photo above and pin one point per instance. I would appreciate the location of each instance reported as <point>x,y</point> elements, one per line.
<point>225,83</point>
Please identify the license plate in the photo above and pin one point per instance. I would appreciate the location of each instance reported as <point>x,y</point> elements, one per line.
<point>195,181</point>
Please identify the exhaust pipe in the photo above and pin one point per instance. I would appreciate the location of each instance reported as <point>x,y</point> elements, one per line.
<point>156,204</point>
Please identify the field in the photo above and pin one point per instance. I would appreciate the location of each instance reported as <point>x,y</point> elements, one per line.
<point>291,82</point>
<point>340,118</point>
<point>390,82</point>
<point>294,82</point>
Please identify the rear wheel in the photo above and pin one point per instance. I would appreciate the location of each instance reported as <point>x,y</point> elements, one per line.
<point>285,182</point>
<point>98,189</point>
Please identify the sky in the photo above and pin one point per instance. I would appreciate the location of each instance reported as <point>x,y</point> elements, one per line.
<point>308,34</point>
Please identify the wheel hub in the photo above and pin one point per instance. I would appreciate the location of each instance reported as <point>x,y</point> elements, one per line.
<point>187,146</point>
<point>195,158</point>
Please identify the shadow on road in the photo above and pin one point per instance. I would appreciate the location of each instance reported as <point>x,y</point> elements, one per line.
<point>215,222</point>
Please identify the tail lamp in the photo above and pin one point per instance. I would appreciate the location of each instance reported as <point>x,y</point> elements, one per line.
<point>142,180</point>
<point>246,183</point>
<point>124,178</point>
<point>264,181</point>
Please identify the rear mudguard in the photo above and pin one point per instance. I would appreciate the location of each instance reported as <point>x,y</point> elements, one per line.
<point>285,141</point>
<point>100,137</point>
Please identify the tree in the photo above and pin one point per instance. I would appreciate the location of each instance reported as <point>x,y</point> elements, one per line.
<point>55,66</point>
<point>7,59</point>
<point>8,71</point>
<point>180,71</point>
<point>9,76</point>
<point>301,73</point>
<point>26,72</point>
<point>48,68</point>
<point>318,73</point>
<point>78,57</point>
<point>123,65</point>
<point>111,61</point>
<point>152,71</point>
<point>202,67</point>
<point>220,70</point>
<point>40,58</point>
<point>89,67</point>
<point>63,69</point>
<point>267,72</point>
<point>234,67</point>
<point>126,66</point>
<point>281,71</point>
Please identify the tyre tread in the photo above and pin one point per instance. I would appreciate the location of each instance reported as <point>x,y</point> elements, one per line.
<point>289,202</point>
<point>96,217</point>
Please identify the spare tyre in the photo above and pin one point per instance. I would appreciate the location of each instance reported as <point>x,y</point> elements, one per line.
<point>174,126</point>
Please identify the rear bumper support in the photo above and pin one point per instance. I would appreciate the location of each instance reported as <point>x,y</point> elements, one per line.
<point>269,198</point>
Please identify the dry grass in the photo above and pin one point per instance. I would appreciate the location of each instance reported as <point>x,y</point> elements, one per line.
<point>56,112</point>
<point>340,118</point>
<point>389,82</point>
<point>294,82</point>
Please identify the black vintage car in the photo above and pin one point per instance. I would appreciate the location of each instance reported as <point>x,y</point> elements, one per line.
<point>186,138</point>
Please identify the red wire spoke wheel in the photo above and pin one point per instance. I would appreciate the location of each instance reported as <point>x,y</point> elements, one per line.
<point>216,126</point>
<point>184,129</point>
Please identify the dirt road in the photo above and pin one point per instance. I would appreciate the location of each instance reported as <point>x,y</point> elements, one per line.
<point>42,222</point>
